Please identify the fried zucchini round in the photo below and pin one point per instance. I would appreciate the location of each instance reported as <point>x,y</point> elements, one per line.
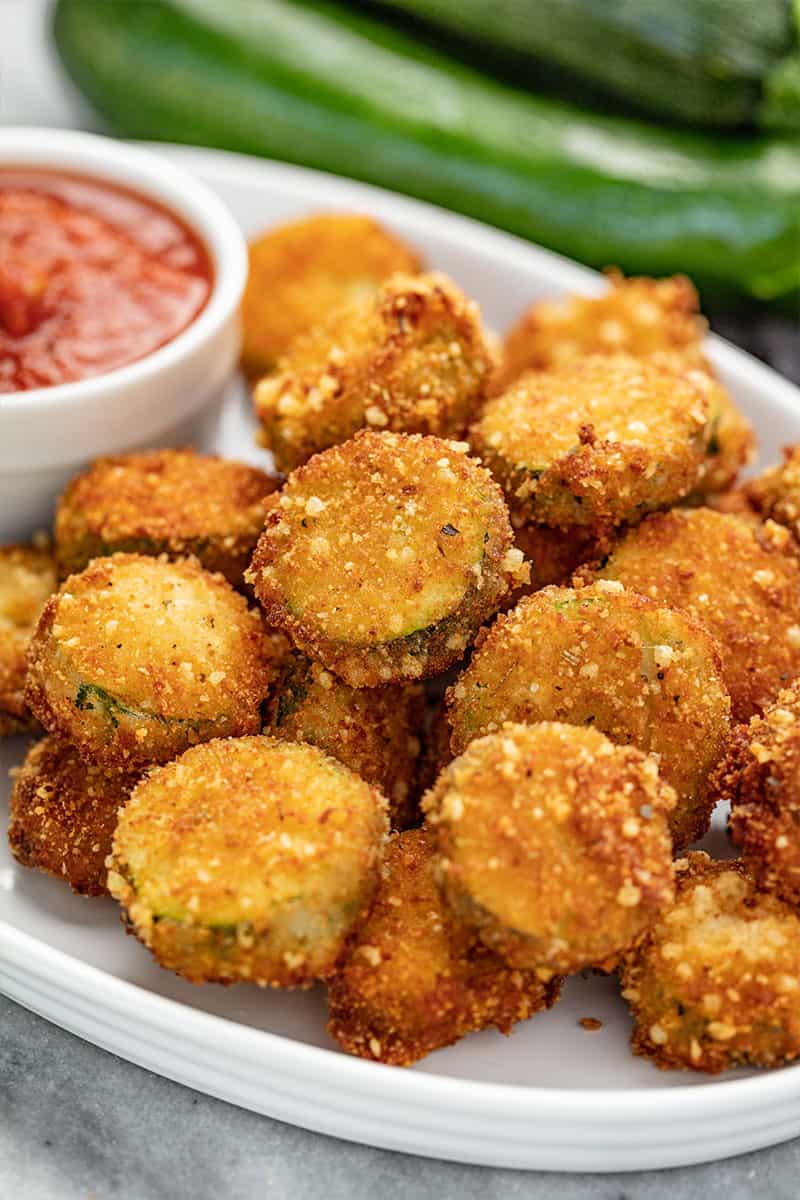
<point>715,982</point>
<point>413,359</point>
<point>302,270</point>
<point>647,318</point>
<point>63,814</point>
<point>731,442</point>
<point>595,444</point>
<point>248,859</point>
<point>741,581</point>
<point>27,578</point>
<point>553,844</point>
<point>642,674</point>
<point>776,493</point>
<point>373,731</point>
<point>415,978</point>
<point>382,557</point>
<point>760,777</point>
<point>653,319</point>
<point>137,658</point>
<point>173,502</point>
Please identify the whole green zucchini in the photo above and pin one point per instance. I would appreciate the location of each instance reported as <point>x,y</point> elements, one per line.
<point>313,83</point>
<point>695,60</point>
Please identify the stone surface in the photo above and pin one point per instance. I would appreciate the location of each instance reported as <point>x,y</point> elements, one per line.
<point>77,1123</point>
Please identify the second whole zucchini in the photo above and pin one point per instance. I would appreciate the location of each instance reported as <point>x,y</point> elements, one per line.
<point>314,83</point>
<point>702,61</point>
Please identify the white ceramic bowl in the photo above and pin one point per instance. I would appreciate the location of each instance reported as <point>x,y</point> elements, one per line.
<point>165,398</point>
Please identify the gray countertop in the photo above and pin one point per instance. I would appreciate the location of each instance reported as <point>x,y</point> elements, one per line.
<point>77,1122</point>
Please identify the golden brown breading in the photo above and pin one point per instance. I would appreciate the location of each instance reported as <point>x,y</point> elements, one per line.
<point>553,554</point>
<point>173,502</point>
<point>653,319</point>
<point>776,493</point>
<point>373,731</point>
<point>642,674</point>
<point>137,658</point>
<point>63,815</point>
<point>553,843</point>
<point>731,442</point>
<point>760,776</point>
<point>596,443</point>
<point>248,859</point>
<point>715,983</point>
<point>302,270</point>
<point>413,359</point>
<point>27,577</point>
<point>382,557</point>
<point>648,318</point>
<point>415,978</point>
<point>742,582</point>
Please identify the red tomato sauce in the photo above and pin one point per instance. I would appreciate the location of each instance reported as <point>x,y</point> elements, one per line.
<point>92,276</point>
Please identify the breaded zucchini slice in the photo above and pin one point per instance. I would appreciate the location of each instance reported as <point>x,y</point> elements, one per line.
<point>760,777</point>
<point>302,270</point>
<point>642,674</point>
<point>27,578</point>
<point>553,843</point>
<point>775,494</point>
<point>415,978</point>
<point>373,731</point>
<point>413,359</point>
<point>173,502</point>
<point>647,318</point>
<point>63,814</point>
<point>715,982</point>
<point>248,859</point>
<point>596,443</point>
<point>137,658</point>
<point>731,441</point>
<point>740,580</point>
<point>382,557</point>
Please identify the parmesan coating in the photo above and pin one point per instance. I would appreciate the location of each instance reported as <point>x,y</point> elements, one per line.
<point>413,359</point>
<point>373,731</point>
<point>63,814</point>
<point>248,859</point>
<point>173,502</point>
<point>715,982</point>
<point>642,674</point>
<point>137,658</point>
<point>731,441</point>
<point>553,843</point>
<point>382,557</point>
<point>741,581</point>
<point>27,577</point>
<point>776,493</point>
<point>302,270</point>
<point>596,443</point>
<point>553,554</point>
<point>415,978</point>
<point>655,319</point>
<point>760,776</point>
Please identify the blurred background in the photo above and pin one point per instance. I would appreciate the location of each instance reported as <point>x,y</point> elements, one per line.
<point>654,135</point>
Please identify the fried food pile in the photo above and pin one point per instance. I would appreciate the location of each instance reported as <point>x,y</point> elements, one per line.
<point>431,716</point>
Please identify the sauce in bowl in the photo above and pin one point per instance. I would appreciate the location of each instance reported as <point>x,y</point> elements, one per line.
<point>92,276</point>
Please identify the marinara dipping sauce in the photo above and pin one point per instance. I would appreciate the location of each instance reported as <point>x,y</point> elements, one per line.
<point>92,276</point>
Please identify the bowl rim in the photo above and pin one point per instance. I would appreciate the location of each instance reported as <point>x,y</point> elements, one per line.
<point>124,164</point>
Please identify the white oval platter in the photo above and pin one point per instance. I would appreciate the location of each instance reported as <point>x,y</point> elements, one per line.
<point>553,1096</point>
